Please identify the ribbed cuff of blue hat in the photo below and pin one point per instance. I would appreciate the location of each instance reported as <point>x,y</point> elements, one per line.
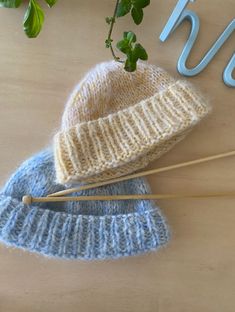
<point>70,236</point>
<point>77,230</point>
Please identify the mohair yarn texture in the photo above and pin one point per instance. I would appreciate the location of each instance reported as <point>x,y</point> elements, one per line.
<point>117,122</point>
<point>77,230</point>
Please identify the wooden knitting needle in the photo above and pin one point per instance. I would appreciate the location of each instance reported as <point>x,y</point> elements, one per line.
<point>142,174</point>
<point>27,200</point>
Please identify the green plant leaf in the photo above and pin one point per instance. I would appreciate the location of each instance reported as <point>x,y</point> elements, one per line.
<point>10,3</point>
<point>33,19</point>
<point>125,34</point>
<point>140,52</point>
<point>123,8</point>
<point>130,65</point>
<point>130,36</point>
<point>141,3</point>
<point>137,15</point>
<point>51,2</point>
<point>128,46</point>
<point>123,46</point>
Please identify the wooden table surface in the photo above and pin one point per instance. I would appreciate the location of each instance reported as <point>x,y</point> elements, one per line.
<point>196,272</point>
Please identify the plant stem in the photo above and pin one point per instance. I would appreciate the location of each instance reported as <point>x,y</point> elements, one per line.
<point>109,39</point>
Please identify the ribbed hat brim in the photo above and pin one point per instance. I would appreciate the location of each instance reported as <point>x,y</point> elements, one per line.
<point>91,148</point>
<point>62,235</point>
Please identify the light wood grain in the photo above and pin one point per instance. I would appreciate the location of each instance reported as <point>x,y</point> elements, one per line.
<point>196,272</point>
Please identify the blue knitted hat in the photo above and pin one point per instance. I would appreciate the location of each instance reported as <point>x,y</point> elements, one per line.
<point>77,230</point>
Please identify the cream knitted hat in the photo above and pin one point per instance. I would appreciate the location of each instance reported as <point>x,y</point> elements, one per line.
<point>116,122</point>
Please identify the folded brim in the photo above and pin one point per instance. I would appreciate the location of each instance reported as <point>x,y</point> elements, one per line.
<point>62,235</point>
<point>150,127</point>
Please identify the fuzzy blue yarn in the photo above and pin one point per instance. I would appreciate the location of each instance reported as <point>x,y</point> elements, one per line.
<point>77,230</point>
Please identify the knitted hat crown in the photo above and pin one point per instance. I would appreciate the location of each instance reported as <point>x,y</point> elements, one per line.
<point>77,230</point>
<point>116,122</point>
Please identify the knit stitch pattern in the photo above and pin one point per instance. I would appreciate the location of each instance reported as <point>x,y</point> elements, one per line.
<point>77,230</point>
<point>117,122</point>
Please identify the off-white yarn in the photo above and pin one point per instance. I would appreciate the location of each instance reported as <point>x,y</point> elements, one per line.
<point>117,122</point>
